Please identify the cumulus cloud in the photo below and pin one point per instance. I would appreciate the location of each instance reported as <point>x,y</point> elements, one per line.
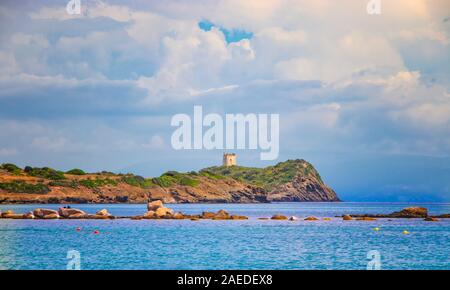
<point>340,78</point>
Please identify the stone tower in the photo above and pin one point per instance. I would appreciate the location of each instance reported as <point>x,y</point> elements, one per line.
<point>229,159</point>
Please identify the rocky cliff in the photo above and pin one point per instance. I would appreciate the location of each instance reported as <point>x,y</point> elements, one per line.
<point>292,180</point>
<point>288,181</point>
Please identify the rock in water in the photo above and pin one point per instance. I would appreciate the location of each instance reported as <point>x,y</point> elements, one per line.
<point>149,215</point>
<point>208,215</point>
<point>366,218</point>
<point>41,213</point>
<point>279,217</point>
<point>178,216</point>
<point>222,214</point>
<point>28,215</point>
<point>7,213</point>
<point>67,212</point>
<point>103,212</point>
<point>238,217</point>
<point>154,205</point>
<point>347,217</point>
<point>293,218</point>
<point>411,212</point>
<point>77,216</point>
<point>163,212</point>
<point>51,216</point>
<point>311,218</point>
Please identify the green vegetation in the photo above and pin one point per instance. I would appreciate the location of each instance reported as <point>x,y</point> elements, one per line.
<point>97,182</point>
<point>64,183</point>
<point>139,181</point>
<point>19,186</point>
<point>174,177</point>
<point>76,171</point>
<point>212,175</point>
<point>45,172</point>
<point>268,177</point>
<point>11,168</point>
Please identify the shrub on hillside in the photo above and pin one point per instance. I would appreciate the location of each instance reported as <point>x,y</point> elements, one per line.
<point>11,168</point>
<point>46,172</point>
<point>136,180</point>
<point>19,186</point>
<point>76,171</point>
<point>98,182</point>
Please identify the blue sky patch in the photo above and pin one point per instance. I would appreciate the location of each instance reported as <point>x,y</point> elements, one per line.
<point>231,35</point>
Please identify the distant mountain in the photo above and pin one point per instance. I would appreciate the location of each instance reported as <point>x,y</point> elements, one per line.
<point>293,180</point>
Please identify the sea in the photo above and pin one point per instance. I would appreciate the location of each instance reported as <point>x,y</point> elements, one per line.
<point>240,244</point>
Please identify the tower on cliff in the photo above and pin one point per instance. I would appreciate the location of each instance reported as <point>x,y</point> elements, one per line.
<point>229,159</point>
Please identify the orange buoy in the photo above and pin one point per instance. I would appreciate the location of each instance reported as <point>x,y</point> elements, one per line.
<point>78,229</point>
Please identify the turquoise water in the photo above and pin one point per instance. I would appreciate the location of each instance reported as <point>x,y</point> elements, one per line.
<point>249,244</point>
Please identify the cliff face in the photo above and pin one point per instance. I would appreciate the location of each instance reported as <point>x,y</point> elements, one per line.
<point>292,180</point>
<point>287,181</point>
<point>303,188</point>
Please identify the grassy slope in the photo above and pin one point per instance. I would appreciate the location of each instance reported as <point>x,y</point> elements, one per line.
<point>16,181</point>
<point>268,177</point>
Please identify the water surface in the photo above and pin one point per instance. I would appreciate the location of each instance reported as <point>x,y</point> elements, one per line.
<point>248,244</point>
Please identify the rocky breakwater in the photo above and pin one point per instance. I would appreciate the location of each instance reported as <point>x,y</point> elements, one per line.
<point>157,210</point>
<point>409,212</point>
<point>62,213</point>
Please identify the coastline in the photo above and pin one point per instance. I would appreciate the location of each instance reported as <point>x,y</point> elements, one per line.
<point>158,210</point>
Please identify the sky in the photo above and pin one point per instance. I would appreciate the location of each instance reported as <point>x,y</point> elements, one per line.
<point>364,98</point>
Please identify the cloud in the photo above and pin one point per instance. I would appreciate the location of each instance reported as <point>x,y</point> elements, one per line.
<point>108,80</point>
<point>8,151</point>
<point>156,142</point>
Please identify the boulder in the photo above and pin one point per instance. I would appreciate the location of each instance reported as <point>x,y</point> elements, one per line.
<point>178,216</point>
<point>97,217</point>
<point>7,213</point>
<point>311,218</point>
<point>28,216</point>
<point>50,216</point>
<point>279,217</point>
<point>347,217</point>
<point>15,216</point>
<point>67,212</point>
<point>411,212</point>
<point>77,216</point>
<point>163,212</point>
<point>154,205</point>
<point>149,215</point>
<point>103,212</point>
<point>42,213</point>
<point>238,217</point>
<point>444,216</point>
<point>366,218</point>
<point>208,215</point>
<point>222,214</point>
<point>431,219</point>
